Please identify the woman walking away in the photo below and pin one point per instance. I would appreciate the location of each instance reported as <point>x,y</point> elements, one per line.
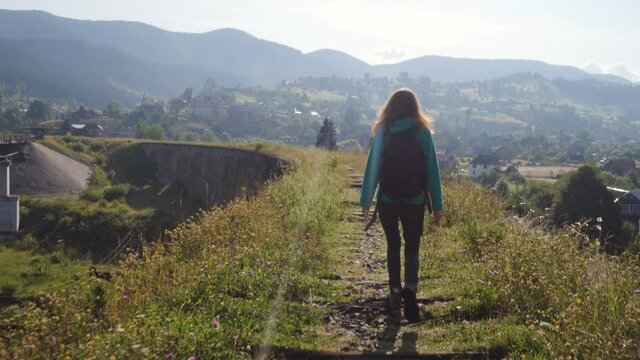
<point>402,160</point>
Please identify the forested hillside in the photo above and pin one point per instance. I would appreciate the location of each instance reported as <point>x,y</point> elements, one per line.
<point>93,62</point>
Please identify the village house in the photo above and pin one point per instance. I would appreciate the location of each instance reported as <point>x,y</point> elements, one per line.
<point>620,167</point>
<point>482,164</point>
<point>82,129</point>
<point>152,111</point>
<point>629,205</point>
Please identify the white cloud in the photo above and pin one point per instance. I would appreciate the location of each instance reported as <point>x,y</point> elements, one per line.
<point>619,69</point>
<point>420,28</point>
<point>389,54</point>
<point>592,68</point>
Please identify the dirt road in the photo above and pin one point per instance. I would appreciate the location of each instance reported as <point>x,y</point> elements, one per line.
<point>48,172</point>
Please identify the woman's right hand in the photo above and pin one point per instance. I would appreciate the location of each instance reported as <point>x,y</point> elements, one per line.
<point>365,213</point>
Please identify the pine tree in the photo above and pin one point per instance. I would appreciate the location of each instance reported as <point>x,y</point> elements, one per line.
<point>327,135</point>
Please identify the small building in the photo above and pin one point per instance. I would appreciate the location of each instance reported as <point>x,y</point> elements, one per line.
<point>482,164</point>
<point>629,205</point>
<point>82,129</point>
<point>152,111</point>
<point>620,167</point>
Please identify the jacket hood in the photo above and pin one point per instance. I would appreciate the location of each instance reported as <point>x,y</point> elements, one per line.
<point>401,125</point>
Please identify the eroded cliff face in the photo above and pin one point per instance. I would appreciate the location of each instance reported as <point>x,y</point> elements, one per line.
<point>207,175</point>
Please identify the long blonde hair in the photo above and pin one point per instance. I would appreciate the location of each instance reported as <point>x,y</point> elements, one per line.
<point>403,103</point>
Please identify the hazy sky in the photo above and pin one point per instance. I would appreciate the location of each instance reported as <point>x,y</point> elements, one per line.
<point>598,35</point>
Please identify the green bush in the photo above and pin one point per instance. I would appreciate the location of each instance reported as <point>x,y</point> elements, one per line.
<point>8,289</point>
<point>99,177</point>
<point>78,147</point>
<point>91,194</point>
<point>88,230</point>
<point>116,192</point>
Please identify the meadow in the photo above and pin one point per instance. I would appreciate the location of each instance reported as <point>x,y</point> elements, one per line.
<point>259,270</point>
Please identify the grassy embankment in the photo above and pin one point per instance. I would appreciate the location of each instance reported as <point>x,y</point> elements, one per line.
<point>236,276</point>
<point>249,274</point>
<point>64,234</point>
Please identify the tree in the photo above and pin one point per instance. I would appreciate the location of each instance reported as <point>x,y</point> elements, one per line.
<point>13,116</point>
<point>490,178</point>
<point>210,85</point>
<point>585,197</point>
<point>153,132</point>
<point>187,95</point>
<point>634,179</point>
<point>327,135</point>
<point>351,116</point>
<point>114,110</point>
<point>40,110</point>
<point>517,178</point>
<point>501,188</point>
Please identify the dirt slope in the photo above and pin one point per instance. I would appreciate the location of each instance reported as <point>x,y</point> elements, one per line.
<point>48,172</point>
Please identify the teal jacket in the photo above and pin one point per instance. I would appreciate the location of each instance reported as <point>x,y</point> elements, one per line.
<point>372,170</point>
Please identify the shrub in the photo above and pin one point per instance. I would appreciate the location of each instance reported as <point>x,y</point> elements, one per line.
<point>8,289</point>
<point>91,194</point>
<point>99,177</point>
<point>116,192</point>
<point>78,147</point>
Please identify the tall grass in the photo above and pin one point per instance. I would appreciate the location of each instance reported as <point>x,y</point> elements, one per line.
<point>208,291</point>
<point>570,299</point>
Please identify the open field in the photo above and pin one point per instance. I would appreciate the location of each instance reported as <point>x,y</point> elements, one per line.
<point>544,171</point>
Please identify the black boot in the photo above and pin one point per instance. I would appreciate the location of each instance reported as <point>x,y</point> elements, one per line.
<point>411,311</point>
<point>393,304</point>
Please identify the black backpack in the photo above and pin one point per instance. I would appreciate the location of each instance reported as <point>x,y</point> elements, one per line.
<point>403,173</point>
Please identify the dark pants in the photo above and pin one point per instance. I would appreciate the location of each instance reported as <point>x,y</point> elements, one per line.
<point>412,217</point>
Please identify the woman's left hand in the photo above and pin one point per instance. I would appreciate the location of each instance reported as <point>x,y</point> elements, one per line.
<point>437,215</point>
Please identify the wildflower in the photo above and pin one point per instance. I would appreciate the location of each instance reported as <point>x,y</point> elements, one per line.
<point>73,297</point>
<point>216,324</point>
<point>494,271</point>
<point>192,358</point>
<point>545,324</point>
<point>125,297</point>
<point>480,281</point>
<point>168,355</point>
<point>599,219</point>
<point>60,241</point>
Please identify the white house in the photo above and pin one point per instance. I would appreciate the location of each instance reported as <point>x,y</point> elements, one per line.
<point>482,164</point>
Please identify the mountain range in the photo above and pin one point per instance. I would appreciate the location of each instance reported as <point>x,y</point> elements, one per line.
<point>92,62</point>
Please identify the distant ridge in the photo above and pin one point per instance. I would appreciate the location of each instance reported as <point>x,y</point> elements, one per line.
<point>144,59</point>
